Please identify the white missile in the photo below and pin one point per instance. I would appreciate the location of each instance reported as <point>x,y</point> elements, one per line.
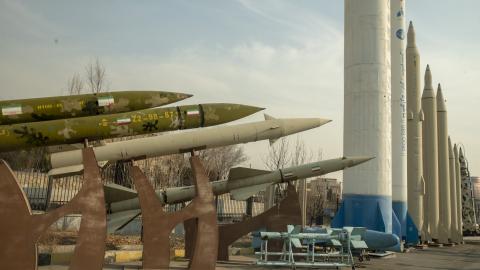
<point>242,184</point>
<point>184,142</point>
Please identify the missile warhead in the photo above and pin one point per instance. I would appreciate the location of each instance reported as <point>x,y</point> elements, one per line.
<point>184,142</point>
<point>294,125</point>
<point>64,107</point>
<point>411,42</point>
<point>441,106</point>
<point>428,91</point>
<point>76,130</point>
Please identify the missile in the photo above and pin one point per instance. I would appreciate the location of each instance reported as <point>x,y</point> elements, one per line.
<point>77,130</point>
<point>459,189</point>
<point>399,115</point>
<point>187,141</point>
<point>242,184</point>
<point>416,183</point>
<point>430,158</point>
<point>456,231</point>
<point>62,107</point>
<point>445,225</point>
<point>375,240</point>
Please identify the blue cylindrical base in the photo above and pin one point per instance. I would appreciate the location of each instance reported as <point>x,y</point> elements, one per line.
<point>413,232</point>
<point>400,210</point>
<point>371,211</point>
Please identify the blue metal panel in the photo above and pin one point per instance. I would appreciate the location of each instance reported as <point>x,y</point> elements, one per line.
<point>412,232</point>
<point>400,210</point>
<point>371,211</point>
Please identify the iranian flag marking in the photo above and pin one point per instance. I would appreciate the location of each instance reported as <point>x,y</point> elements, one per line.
<point>12,110</point>
<point>123,121</point>
<point>193,112</point>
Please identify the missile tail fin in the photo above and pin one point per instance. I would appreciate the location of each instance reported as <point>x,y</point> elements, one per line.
<point>116,193</point>
<point>242,172</point>
<point>116,221</point>
<point>242,194</point>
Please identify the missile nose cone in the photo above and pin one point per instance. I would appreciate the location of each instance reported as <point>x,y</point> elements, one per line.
<point>411,36</point>
<point>428,87</point>
<point>182,96</point>
<point>295,125</point>
<point>219,113</point>
<point>380,240</point>
<point>441,106</point>
<point>353,161</point>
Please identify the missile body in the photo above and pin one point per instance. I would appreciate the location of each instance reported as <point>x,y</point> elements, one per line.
<point>375,240</point>
<point>367,194</point>
<point>430,158</point>
<point>63,107</point>
<point>182,142</point>
<point>453,193</point>
<point>443,170</point>
<point>399,115</point>
<point>76,130</point>
<point>458,184</point>
<point>416,184</point>
<point>241,186</point>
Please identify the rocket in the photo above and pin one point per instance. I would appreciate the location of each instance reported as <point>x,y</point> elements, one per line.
<point>399,116</point>
<point>430,157</point>
<point>415,116</point>
<point>63,107</point>
<point>458,184</point>
<point>443,170</point>
<point>185,142</point>
<point>242,184</point>
<point>77,130</point>
<point>456,231</point>
<point>367,193</point>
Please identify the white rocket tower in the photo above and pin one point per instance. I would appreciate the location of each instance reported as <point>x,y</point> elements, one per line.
<point>367,195</point>
<point>399,117</point>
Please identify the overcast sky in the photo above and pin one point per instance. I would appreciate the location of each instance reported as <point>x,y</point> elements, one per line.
<point>286,56</point>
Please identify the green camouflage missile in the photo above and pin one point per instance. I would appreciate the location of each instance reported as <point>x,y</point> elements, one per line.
<point>77,130</point>
<point>63,107</point>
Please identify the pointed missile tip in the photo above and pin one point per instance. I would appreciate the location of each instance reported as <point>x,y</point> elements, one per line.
<point>428,67</point>
<point>183,96</point>
<point>326,121</point>
<point>410,24</point>
<point>356,160</point>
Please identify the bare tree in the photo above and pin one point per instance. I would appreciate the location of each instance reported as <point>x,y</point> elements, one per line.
<point>95,73</point>
<point>316,203</point>
<point>299,156</point>
<point>278,155</point>
<point>219,161</point>
<point>75,85</point>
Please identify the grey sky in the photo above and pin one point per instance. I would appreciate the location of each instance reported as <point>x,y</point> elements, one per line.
<point>286,56</point>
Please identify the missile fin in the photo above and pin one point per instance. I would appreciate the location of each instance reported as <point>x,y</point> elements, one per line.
<point>116,193</point>
<point>268,117</point>
<point>116,221</point>
<point>296,243</point>
<point>242,172</point>
<point>247,192</point>
<point>71,170</point>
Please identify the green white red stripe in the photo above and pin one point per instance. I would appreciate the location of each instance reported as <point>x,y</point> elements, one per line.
<point>12,110</point>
